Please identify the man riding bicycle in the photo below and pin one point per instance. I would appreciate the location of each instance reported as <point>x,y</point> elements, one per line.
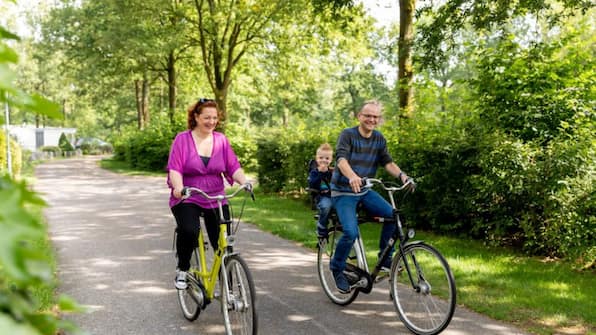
<point>360,151</point>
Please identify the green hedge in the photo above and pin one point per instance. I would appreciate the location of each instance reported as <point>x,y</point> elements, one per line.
<point>146,149</point>
<point>283,155</point>
<point>486,185</point>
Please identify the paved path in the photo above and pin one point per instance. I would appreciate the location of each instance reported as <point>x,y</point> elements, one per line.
<point>113,236</point>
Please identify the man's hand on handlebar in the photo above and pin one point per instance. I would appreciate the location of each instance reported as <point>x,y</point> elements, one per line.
<point>355,183</point>
<point>410,184</point>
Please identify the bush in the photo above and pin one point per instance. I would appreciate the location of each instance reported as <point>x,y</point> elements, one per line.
<point>245,146</point>
<point>23,265</point>
<point>93,146</point>
<point>146,149</point>
<point>16,155</point>
<point>504,190</point>
<point>283,155</point>
<point>54,151</point>
<point>65,144</point>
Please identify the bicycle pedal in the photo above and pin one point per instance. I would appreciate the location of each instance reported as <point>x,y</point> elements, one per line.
<point>322,242</point>
<point>381,276</point>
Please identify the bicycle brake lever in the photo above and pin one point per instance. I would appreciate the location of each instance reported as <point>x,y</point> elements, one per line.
<point>185,193</point>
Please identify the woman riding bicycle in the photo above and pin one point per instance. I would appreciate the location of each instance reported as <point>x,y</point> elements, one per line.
<point>360,151</point>
<point>198,158</point>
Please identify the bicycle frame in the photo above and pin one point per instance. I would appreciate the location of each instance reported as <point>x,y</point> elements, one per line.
<point>209,276</point>
<point>424,299</point>
<point>398,237</point>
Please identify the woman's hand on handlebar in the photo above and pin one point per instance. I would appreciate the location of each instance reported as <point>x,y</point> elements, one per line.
<point>178,192</point>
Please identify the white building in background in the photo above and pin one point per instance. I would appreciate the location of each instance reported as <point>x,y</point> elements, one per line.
<point>31,138</point>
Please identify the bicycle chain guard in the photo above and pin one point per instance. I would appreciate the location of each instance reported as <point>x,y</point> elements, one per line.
<point>360,278</point>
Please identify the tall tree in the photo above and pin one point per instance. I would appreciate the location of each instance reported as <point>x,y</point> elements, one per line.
<point>405,75</point>
<point>405,44</point>
<point>145,49</point>
<point>227,29</point>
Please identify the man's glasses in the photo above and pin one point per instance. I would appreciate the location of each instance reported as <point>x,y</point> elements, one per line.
<point>369,116</point>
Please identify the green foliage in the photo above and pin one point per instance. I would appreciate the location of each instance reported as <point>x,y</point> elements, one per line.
<point>244,143</point>
<point>283,155</point>
<point>146,149</point>
<point>53,150</point>
<point>64,143</point>
<point>94,146</point>
<point>528,92</point>
<point>440,26</point>
<point>23,264</point>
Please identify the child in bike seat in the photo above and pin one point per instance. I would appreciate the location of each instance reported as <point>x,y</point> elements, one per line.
<point>319,179</point>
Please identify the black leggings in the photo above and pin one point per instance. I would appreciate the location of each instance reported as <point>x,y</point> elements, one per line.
<point>187,220</point>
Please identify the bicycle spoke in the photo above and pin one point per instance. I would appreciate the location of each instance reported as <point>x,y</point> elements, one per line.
<point>325,253</point>
<point>238,298</point>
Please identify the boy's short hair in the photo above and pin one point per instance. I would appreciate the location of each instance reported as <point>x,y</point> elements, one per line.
<point>324,147</point>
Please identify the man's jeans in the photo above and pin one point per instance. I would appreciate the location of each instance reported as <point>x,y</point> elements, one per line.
<point>345,206</point>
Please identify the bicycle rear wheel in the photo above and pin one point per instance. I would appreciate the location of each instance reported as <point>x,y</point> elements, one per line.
<point>192,300</point>
<point>238,298</point>
<point>425,308</point>
<point>325,253</point>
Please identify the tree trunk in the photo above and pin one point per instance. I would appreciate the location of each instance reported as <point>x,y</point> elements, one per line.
<point>171,86</point>
<point>146,115</point>
<point>406,71</point>
<point>221,95</point>
<point>139,103</point>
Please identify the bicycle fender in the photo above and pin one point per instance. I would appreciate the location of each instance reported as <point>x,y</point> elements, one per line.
<point>413,242</point>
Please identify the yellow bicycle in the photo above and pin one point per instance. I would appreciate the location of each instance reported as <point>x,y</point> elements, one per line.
<point>227,280</point>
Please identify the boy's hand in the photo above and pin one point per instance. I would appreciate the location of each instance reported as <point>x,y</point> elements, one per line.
<point>322,165</point>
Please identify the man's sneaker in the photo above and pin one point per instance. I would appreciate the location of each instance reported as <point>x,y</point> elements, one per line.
<point>341,282</point>
<point>322,232</point>
<point>386,266</point>
<point>180,281</point>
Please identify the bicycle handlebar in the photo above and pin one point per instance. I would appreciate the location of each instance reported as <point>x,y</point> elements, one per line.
<point>187,191</point>
<point>370,182</point>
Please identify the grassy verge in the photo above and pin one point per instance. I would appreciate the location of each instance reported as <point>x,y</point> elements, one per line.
<point>538,295</point>
<point>122,168</point>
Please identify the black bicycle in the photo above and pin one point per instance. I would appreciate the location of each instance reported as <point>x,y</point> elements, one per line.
<point>422,285</point>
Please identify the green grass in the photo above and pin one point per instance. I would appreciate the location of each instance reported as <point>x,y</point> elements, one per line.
<point>122,168</point>
<point>538,295</point>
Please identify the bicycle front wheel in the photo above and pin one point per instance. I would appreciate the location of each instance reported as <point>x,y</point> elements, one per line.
<point>426,302</point>
<point>324,256</point>
<point>238,298</point>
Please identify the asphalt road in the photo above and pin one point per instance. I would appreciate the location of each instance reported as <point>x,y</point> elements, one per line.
<point>113,236</point>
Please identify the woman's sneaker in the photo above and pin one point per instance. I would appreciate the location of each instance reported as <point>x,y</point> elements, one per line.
<point>180,281</point>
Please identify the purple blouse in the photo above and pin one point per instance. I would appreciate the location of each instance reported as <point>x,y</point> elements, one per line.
<point>185,159</point>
